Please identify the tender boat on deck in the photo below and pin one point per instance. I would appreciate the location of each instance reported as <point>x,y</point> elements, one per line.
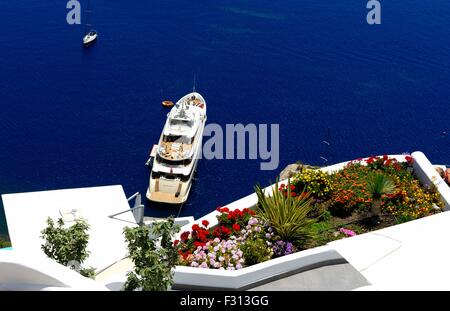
<point>178,151</point>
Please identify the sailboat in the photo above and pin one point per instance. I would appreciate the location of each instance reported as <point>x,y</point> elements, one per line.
<point>91,35</point>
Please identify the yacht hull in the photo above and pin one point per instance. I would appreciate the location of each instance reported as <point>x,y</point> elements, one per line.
<point>170,183</point>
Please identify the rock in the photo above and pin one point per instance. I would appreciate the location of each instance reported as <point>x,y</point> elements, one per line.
<point>289,171</point>
<point>436,207</point>
<point>441,172</point>
<point>292,169</point>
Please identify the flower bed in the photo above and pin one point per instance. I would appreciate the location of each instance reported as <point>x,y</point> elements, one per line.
<point>316,208</point>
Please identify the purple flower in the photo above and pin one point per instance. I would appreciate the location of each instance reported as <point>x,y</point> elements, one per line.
<point>282,248</point>
<point>253,221</point>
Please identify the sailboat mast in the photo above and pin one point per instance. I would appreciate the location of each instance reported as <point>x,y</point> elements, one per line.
<point>88,11</point>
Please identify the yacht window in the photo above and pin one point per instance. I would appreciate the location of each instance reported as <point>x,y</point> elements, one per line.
<point>181,122</point>
<point>173,162</point>
<point>178,139</point>
<point>183,178</point>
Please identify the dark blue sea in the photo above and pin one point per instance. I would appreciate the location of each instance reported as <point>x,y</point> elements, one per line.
<point>73,117</point>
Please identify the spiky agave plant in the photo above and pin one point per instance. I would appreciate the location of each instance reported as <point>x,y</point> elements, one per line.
<point>287,215</point>
<point>379,185</point>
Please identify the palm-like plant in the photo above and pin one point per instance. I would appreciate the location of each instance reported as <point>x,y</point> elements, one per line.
<point>287,215</point>
<point>379,185</point>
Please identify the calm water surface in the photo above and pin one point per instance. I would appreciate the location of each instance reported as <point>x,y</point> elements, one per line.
<point>76,118</point>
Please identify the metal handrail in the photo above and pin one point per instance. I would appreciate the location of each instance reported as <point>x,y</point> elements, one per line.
<point>134,196</point>
<point>137,205</point>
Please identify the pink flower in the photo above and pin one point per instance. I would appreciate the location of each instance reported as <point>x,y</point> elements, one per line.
<point>347,232</point>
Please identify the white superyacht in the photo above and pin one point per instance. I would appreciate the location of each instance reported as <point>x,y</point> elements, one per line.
<point>178,151</point>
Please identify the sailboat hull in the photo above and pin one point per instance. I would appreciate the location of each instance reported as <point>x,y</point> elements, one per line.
<point>87,41</point>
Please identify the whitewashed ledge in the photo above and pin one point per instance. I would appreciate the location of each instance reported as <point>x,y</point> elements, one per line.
<point>197,278</point>
<point>27,271</point>
<point>188,278</point>
<point>427,174</point>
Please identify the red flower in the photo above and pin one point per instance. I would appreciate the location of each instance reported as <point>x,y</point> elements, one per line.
<point>205,223</point>
<point>225,230</point>
<point>370,160</point>
<point>236,227</point>
<point>185,236</point>
<point>409,159</point>
<point>217,232</point>
<point>248,211</point>
<point>197,244</point>
<point>175,243</point>
<point>202,236</point>
<point>293,194</point>
<point>292,187</point>
<point>385,157</point>
<point>195,227</point>
<point>224,210</point>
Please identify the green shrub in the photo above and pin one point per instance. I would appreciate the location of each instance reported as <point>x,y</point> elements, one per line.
<point>378,185</point>
<point>256,251</point>
<point>4,243</point>
<point>320,210</point>
<point>287,215</point>
<point>153,257</point>
<point>67,245</point>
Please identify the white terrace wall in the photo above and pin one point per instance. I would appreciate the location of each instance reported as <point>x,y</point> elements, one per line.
<point>26,271</point>
<point>192,278</point>
<point>428,175</point>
